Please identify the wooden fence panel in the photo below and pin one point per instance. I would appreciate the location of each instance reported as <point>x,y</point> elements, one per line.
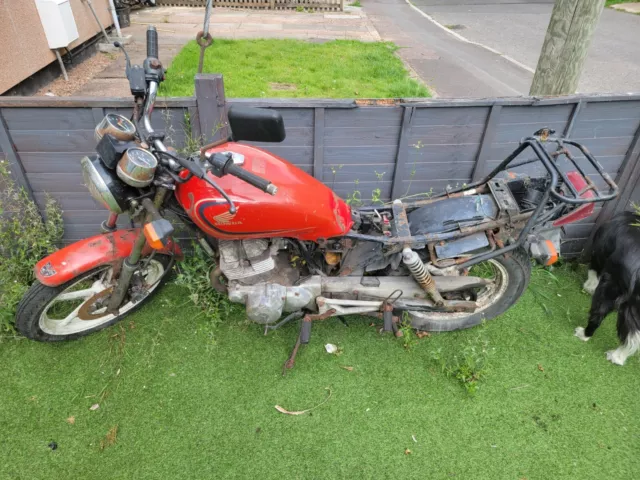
<point>369,151</point>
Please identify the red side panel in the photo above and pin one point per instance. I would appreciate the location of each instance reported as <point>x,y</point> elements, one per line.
<point>582,212</point>
<point>84,255</point>
<point>303,208</point>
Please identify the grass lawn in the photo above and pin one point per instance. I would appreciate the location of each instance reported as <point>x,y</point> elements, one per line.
<point>615,2</point>
<point>551,406</point>
<point>294,68</point>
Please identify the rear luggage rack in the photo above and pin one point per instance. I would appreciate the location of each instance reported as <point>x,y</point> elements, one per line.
<point>549,160</point>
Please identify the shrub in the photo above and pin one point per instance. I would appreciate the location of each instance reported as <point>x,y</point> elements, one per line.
<point>24,239</point>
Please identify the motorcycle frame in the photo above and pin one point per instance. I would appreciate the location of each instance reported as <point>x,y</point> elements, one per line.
<point>555,173</point>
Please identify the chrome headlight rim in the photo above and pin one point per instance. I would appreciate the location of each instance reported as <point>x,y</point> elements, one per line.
<point>104,186</point>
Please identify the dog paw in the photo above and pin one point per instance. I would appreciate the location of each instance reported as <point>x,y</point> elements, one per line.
<point>614,357</point>
<point>579,332</point>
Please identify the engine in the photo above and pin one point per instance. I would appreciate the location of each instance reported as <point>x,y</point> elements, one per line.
<point>262,275</point>
<point>247,260</point>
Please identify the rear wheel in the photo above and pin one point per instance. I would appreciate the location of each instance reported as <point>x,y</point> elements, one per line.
<point>78,307</point>
<point>510,274</point>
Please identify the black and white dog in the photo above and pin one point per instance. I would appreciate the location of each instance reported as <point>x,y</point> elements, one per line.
<point>614,282</point>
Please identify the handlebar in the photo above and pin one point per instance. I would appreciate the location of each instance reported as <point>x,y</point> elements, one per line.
<point>223,165</point>
<point>152,42</point>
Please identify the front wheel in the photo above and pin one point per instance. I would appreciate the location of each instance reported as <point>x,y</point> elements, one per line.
<point>78,307</point>
<point>510,274</point>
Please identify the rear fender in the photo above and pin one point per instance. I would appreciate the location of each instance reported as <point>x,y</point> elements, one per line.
<point>84,255</point>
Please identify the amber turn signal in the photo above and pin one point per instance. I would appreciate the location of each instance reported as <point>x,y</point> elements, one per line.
<point>153,239</point>
<point>553,253</point>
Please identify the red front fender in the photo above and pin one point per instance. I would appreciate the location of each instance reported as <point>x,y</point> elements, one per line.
<point>87,254</point>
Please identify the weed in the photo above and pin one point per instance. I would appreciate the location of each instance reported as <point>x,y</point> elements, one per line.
<point>299,9</point>
<point>356,3</point>
<point>25,237</point>
<point>469,366</point>
<point>355,198</point>
<point>408,335</point>
<point>193,273</point>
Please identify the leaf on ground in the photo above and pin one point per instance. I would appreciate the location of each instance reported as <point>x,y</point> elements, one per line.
<point>541,368</point>
<point>302,412</point>
<point>407,451</point>
<point>348,369</point>
<point>71,420</point>
<point>95,406</point>
<point>421,334</point>
<point>110,438</point>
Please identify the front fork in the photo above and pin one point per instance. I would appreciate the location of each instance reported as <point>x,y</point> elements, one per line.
<point>132,263</point>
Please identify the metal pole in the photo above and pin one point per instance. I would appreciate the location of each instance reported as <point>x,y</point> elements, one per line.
<point>114,16</point>
<point>95,15</point>
<point>64,71</point>
<point>203,38</point>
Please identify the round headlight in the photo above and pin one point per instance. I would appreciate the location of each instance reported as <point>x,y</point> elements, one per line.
<point>137,167</point>
<point>113,124</point>
<point>104,185</point>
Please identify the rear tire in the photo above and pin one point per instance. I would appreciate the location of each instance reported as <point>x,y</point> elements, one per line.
<point>517,267</point>
<point>39,299</point>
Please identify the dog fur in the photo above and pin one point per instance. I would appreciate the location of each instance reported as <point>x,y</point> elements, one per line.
<point>614,282</point>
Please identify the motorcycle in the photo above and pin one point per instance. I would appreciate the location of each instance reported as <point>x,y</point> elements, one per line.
<point>286,244</point>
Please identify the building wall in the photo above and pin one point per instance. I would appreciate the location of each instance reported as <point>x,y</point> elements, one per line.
<point>23,45</point>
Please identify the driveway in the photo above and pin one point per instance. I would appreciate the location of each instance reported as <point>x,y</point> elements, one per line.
<point>513,28</point>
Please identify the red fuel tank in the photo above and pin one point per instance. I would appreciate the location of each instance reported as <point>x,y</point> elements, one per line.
<point>303,207</point>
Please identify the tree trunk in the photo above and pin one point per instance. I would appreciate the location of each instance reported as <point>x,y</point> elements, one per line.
<point>565,46</point>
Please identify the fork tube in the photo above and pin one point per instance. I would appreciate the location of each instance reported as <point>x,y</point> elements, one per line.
<point>131,264</point>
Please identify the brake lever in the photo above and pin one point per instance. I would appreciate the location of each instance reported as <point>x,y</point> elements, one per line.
<point>127,68</point>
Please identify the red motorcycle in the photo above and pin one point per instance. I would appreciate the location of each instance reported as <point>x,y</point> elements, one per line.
<point>285,243</point>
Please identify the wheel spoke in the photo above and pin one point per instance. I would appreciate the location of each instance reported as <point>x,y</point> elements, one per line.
<point>69,318</point>
<point>77,295</point>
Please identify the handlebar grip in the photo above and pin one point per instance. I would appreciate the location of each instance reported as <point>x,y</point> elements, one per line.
<point>152,42</point>
<point>252,179</point>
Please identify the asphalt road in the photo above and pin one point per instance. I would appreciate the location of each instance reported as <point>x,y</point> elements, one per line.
<point>515,28</point>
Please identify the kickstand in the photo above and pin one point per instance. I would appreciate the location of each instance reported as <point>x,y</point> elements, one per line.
<point>303,337</point>
<point>291,361</point>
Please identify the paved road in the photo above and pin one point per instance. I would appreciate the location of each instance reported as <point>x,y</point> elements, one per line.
<point>515,28</point>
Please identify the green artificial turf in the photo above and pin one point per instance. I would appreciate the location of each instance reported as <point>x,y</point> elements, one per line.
<point>296,69</point>
<point>551,406</point>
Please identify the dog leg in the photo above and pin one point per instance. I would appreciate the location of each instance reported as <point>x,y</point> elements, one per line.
<point>579,332</point>
<point>602,303</point>
<point>624,351</point>
<point>591,283</point>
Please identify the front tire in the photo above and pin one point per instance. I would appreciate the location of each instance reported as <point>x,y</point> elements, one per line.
<point>515,271</point>
<point>35,317</point>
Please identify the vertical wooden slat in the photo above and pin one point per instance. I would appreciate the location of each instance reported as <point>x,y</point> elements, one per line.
<point>318,142</point>
<point>402,157</point>
<point>194,120</point>
<point>98,115</point>
<point>210,100</point>
<point>17,171</point>
<point>627,178</point>
<point>485,145</point>
<point>577,109</point>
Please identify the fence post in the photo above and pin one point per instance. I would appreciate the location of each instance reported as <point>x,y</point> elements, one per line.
<point>485,146</point>
<point>628,176</point>
<point>15,165</point>
<point>403,152</point>
<point>318,142</point>
<point>212,108</point>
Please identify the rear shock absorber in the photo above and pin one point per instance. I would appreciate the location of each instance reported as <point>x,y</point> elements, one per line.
<point>421,274</point>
